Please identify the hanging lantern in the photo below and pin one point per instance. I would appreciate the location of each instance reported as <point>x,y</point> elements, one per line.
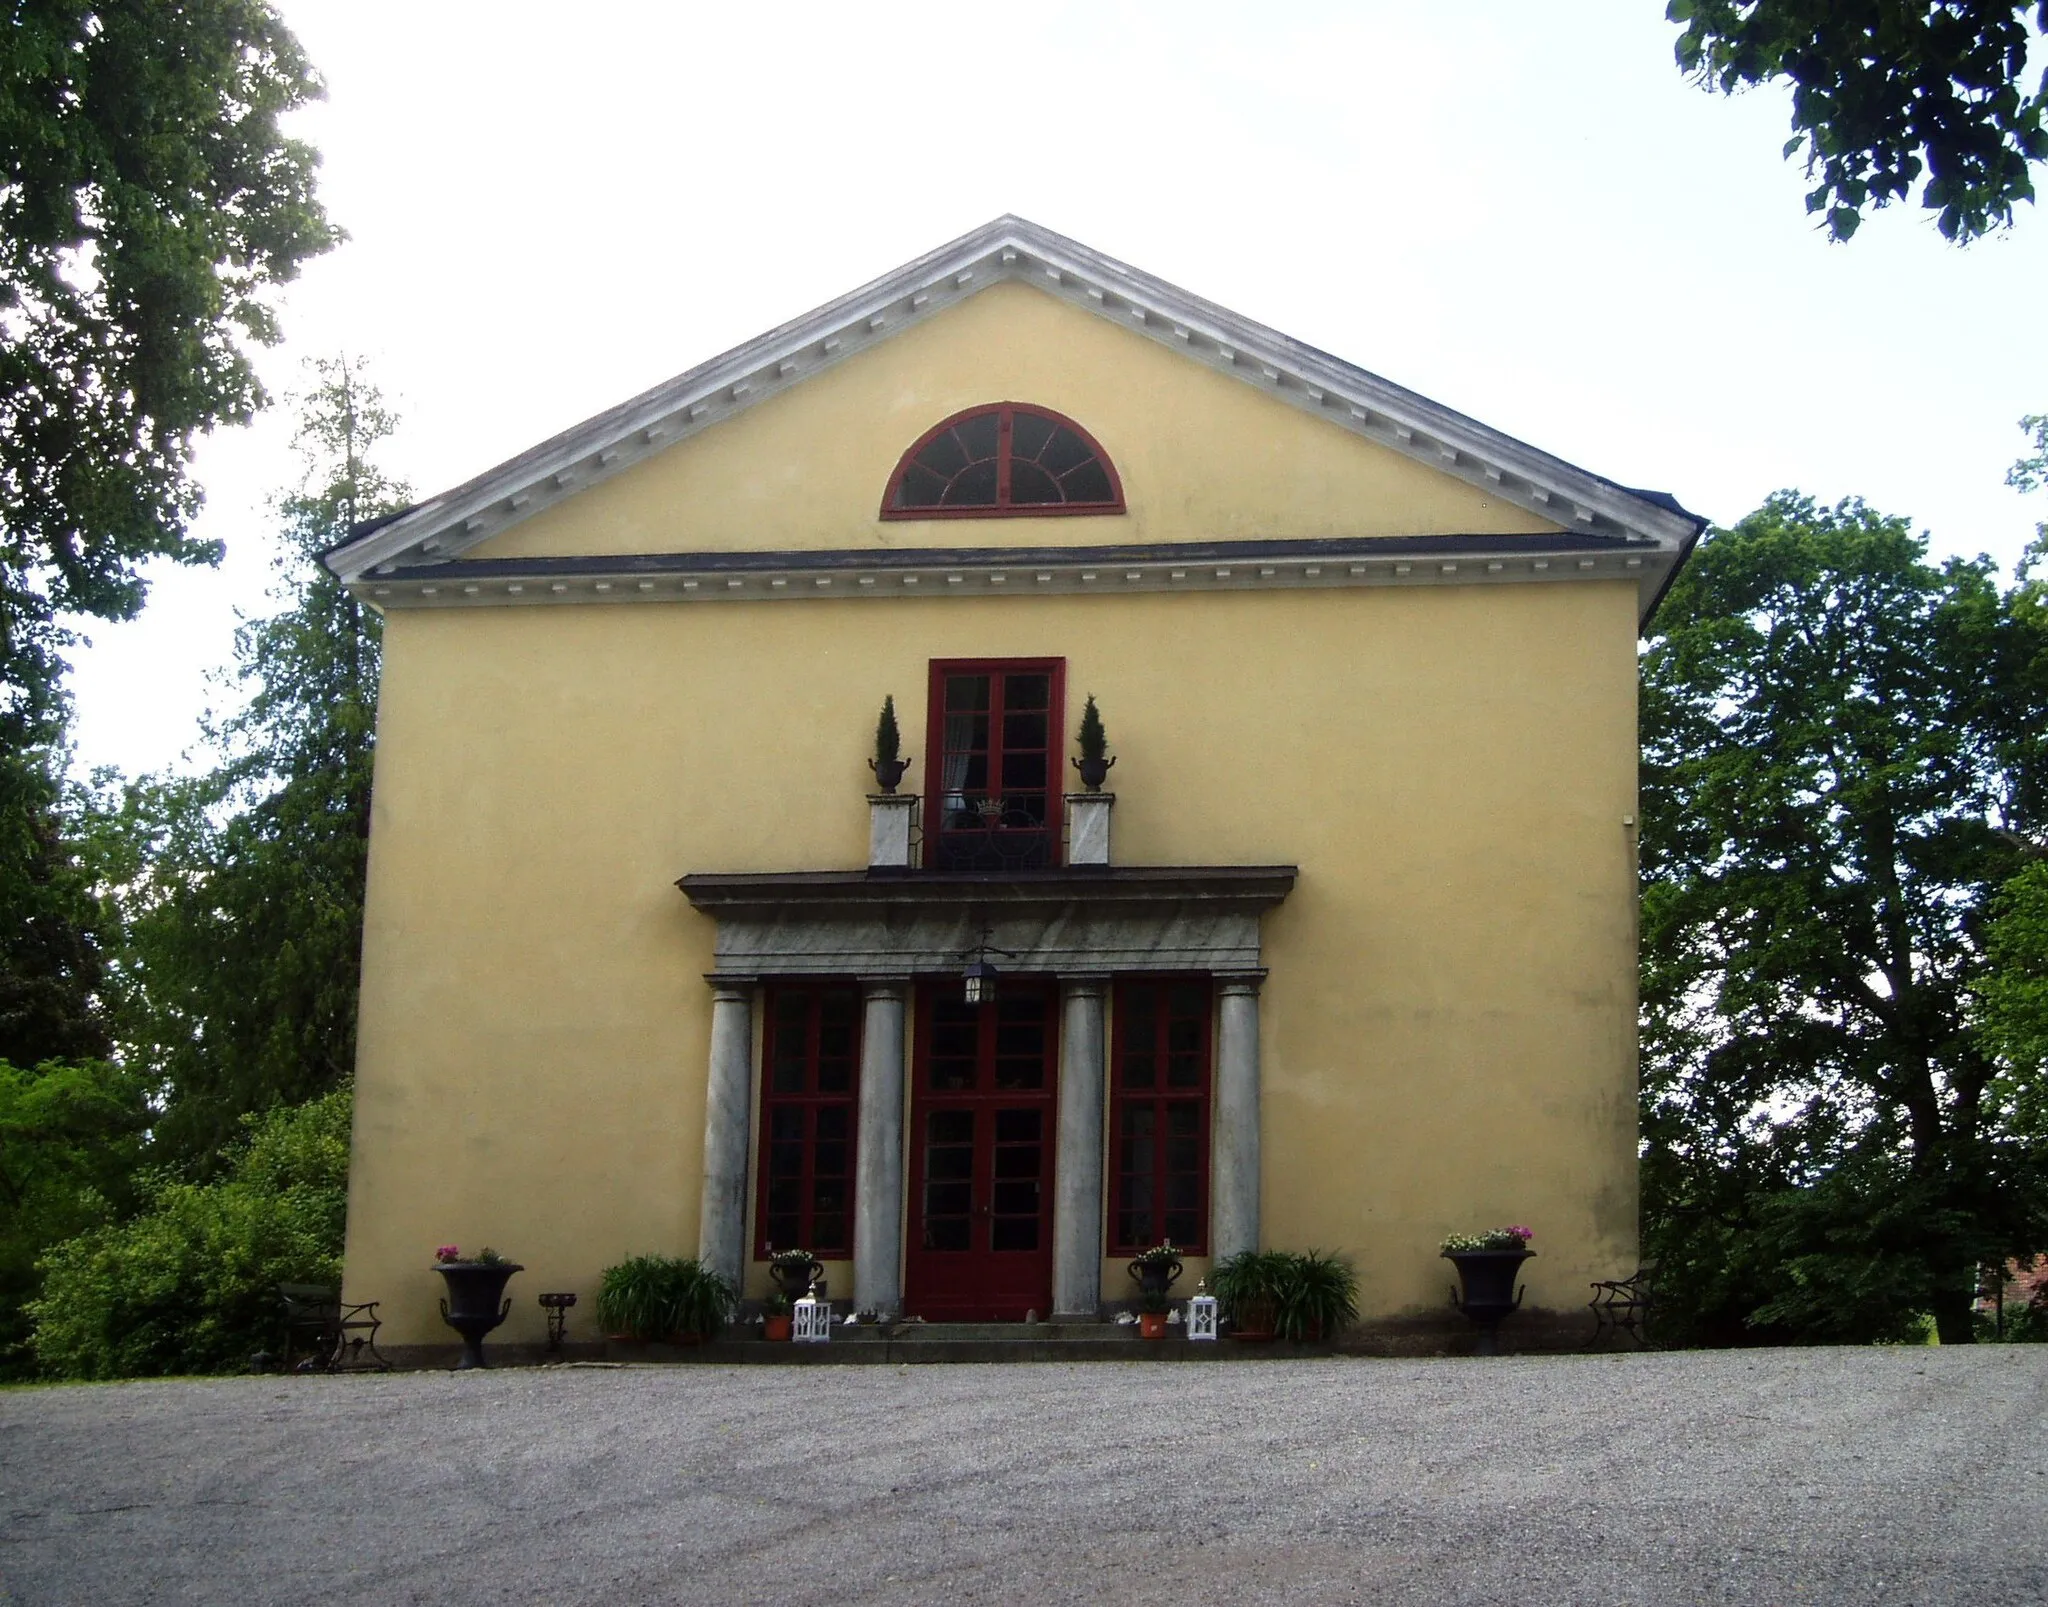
<point>811,1319</point>
<point>1202,1313</point>
<point>980,982</point>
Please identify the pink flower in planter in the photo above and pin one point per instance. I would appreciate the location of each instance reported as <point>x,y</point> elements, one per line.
<point>1522,1233</point>
<point>447,1252</point>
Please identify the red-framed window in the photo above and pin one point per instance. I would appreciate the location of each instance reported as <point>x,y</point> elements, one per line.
<point>996,736</point>
<point>810,1076</point>
<point>1003,458</point>
<point>1159,1124</point>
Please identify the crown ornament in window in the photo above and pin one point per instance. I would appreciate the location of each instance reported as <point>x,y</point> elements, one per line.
<point>1003,458</point>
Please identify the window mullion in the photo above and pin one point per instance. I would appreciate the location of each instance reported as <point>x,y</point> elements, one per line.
<point>1003,458</point>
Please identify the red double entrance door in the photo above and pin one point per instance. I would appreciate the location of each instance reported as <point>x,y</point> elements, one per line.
<point>982,1111</point>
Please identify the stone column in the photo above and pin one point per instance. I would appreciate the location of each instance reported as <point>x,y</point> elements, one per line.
<point>1234,1143</point>
<point>878,1150</point>
<point>728,1111</point>
<point>1077,1174</point>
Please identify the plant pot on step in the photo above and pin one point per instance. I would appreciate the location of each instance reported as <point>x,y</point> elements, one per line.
<point>793,1272</point>
<point>476,1303</point>
<point>1151,1325</point>
<point>775,1327</point>
<point>1255,1320</point>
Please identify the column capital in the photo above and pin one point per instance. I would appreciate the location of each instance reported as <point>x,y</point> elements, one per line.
<point>1083,984</point>
<point>1239,982</point>
<point>735,989</point>
<point>881,987</point>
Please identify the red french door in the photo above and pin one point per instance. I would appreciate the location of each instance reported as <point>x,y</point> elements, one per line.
<point>982,1113</point>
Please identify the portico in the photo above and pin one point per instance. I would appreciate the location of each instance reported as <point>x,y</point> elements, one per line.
<point>1072,933</point>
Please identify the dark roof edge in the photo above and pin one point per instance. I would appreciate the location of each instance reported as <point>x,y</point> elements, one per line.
<point>930,557</point>
<point>718,889</point>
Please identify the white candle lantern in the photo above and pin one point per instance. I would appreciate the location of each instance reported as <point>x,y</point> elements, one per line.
<point>1202,1313</point>
<point>812,1319</point>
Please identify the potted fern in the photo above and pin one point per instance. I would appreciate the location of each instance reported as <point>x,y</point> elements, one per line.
<point>1248,1286</point>
<point>1094,763</point>
<point>655,1297</point>
<point>1318,1296</point>
<point>888,763</point>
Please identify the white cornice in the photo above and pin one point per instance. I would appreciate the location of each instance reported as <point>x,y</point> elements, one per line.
<point>908,574</point>
<point>1009,249</point>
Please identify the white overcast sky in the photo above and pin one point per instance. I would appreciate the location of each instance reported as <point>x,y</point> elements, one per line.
<point>1523,212</point>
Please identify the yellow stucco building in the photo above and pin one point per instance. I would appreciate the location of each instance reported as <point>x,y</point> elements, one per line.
<point>1341,956</point>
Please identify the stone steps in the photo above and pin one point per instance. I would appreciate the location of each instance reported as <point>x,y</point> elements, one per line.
<point>916,1343</point>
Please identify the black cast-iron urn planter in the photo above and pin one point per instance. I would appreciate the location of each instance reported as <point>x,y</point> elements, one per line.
<point>889,773</point>
<point>476,1303</point>
<point>1094,771</point>
<point>1488,1294</point>
<point>1155,1277</point>
<point>794,1278</point>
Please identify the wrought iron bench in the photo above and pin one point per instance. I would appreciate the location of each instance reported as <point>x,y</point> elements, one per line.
<point>1623,1305</point>
<point>322,1335</point>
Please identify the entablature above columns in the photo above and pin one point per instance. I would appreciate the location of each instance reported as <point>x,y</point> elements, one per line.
<point>1095,921</point>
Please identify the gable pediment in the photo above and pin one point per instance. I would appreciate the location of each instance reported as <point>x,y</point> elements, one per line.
<point>1486,484</point>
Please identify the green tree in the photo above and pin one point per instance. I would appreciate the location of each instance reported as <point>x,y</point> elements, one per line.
<point>149,204</point>
<point>244,918</point>
<point>70,1139</point>
<point>1830,804</point>
<point>2013,997</point>
<point>190,1284</point>
<point>1888,93</point>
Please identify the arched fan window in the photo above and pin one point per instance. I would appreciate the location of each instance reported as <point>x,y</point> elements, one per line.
<point>1003,458</point>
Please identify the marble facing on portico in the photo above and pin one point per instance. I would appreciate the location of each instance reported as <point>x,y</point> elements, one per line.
<point>1128,919</point>
<point>1083,926</point>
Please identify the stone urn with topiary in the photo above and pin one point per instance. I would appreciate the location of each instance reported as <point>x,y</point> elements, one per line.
<point>888,763</point>
<point>1094,763</point>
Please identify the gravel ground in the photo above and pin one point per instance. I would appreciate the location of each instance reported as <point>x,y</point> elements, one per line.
<point>1854,1476</point>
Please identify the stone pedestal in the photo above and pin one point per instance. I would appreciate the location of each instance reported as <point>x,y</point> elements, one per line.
<point>889,818</point>
<point>1088,827</point>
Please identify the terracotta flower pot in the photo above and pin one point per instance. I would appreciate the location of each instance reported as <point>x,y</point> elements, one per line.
<point>1151,1325</point>
<point>1253,1321</point>
<point>775,1327</point>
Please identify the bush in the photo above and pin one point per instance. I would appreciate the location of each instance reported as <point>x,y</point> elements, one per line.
<point>1302,1296</point>
<point>657,1296</point>
<point>190,1284</point>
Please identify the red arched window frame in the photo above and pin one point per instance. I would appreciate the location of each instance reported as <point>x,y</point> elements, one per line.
<point>1003,508</point>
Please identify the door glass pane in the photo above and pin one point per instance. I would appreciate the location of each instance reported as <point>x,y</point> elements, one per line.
<point>948,1168</point>
<point>956,1035</point>
<point>1016,1126</point>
